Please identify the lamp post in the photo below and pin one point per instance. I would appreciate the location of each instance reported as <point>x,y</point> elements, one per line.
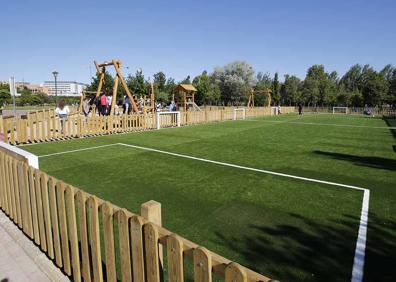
<point>55,73</point>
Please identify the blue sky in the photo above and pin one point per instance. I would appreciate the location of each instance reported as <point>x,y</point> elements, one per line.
<point>185,37</point>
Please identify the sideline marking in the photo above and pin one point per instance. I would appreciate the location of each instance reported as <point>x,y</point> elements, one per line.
<point>360,249</point>
<point>77,150</point>
<point>328,124</point>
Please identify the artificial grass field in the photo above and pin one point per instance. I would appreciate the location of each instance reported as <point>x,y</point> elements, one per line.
<point>288,229</point>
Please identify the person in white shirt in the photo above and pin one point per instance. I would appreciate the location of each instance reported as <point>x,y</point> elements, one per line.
<point>109,101</point>
<point>63,111</point>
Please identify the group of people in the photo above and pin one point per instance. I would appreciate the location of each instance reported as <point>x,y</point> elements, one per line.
<point>104,104</point>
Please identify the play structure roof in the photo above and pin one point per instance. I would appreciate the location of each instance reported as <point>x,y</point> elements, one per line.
<point>186,87</point>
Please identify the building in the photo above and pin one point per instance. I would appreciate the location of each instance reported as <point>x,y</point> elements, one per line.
<point>64,88</point>
<point>35,88</point>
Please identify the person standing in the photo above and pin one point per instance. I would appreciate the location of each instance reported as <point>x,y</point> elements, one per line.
<point>103,104</point>
<point>63,111</point>
<point>109,101</point>
<point>300,109</point>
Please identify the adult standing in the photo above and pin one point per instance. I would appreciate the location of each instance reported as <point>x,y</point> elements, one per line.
<point>103,104</point>
<point>300,109</point>
<point>109,101</point>
<point>63,111</point>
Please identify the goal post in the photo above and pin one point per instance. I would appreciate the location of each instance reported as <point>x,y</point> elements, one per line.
<point>239,110</point>
<point>168,119</point>
<point>340,110</point>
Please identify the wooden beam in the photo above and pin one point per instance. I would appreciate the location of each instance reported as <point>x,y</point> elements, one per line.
<point>117,68</point>
<point>152,98</point>
<point>112,63</point>
<point>113,101</point>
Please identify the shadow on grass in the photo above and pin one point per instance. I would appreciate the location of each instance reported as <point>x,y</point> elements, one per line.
<point>315,252</point>
<point>391,122</point>
<point>374,162</point>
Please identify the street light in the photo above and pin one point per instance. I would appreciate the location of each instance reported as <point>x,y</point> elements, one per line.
<point>55,73</point>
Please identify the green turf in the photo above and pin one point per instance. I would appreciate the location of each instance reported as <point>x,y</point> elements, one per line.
<point>291,230</point>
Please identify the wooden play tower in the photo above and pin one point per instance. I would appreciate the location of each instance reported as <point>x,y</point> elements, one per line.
<point>186,96</point>
<point>267,92</point>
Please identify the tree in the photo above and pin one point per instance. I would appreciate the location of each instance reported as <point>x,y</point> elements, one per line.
<point>392,88</point>
<point>187,80</point>
<point>352,79</point>
<point>235,81</point>
<point>108,83</point>
<point>374,86</point>
<point>5,96</point>
<point>291,90</point>
<point>160,81</point>
<point>319,87</point>
<point>310,92</point>
<point>208,92</point>
<point>276,90</point>
<point>164,88</point>
<point>137,83</point>
<point>264,82</point>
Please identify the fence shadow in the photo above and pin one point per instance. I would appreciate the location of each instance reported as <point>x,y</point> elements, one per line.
<point>374,162</point>
<point>319,252</point>
<point>391,122</point>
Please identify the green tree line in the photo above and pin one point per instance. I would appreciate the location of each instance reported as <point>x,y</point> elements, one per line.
<point>232,84</point>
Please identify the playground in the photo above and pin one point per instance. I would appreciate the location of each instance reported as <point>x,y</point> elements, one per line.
<point>287,196</point>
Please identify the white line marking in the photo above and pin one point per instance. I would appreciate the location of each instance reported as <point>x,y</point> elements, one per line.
<point>243,167</point>
<point>360,249</point>
<point>77,150</point>
<point>328,124</point>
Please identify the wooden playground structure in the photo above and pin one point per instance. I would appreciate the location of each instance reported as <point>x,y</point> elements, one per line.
<point>186,97</point>
<point>101,70</point>
<point>255,92</point>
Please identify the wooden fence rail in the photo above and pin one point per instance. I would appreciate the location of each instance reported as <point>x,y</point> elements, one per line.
<point>386,111</point>
<point>93,240</point>
<point>46,125</point>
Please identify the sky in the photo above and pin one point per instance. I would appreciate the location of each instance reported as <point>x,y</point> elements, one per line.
<point>186,37</point>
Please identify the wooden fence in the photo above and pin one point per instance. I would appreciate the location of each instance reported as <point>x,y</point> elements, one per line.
<point>93,240</point>
<point>386,111</point>
<point>46,125</point>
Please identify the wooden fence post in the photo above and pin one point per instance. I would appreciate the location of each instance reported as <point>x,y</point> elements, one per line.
<point>107,214</point>
<point>202,265</point>
<point>235,273</point>
<point>151,211</point>
<point>175,258</point>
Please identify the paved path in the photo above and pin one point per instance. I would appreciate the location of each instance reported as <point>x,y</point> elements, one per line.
<point>20,259</point>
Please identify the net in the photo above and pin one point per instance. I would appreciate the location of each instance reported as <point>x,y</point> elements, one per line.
<point>340,110</point>
<point>168,119</point>
<point>239,114</point>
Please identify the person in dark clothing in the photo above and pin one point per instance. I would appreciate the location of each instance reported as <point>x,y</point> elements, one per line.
<point>98,106</point>
<point>300,109</point>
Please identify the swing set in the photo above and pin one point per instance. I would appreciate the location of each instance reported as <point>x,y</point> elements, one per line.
<point>101,70</point>
<point>254,92</point>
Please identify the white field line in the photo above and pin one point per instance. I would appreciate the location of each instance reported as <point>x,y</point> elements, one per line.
<point>328,124</point>
<point>360,249</point>
<point>77,150</point>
